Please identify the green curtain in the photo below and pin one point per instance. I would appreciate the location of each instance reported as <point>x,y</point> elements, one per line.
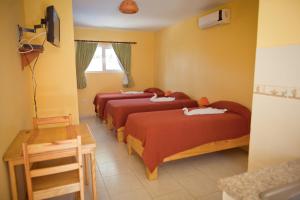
<point>123,52</point>
<point>84,54</point>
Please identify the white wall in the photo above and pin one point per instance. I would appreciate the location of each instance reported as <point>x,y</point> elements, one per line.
<point>275,129</point>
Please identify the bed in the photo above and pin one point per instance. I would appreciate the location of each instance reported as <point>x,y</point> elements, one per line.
<point>101,99</point>
<point>117,111</point>
<point>163,136</point>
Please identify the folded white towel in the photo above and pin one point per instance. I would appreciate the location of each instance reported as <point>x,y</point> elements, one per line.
<point>154,96</point>
<point>204,111</point>
<point>132,92</point>
<point>161,99</point>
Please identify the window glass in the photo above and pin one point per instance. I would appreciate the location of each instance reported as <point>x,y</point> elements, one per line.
<point>104,59</point>
<point>96,64</point>
<point>111,60</point>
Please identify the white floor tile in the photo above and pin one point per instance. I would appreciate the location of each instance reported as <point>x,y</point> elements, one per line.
<point>198,184</point>
<point>214,196</point>
<point>139,194</point>
<point>122,183</point>
<point>177,195</point>
<point>164,185</point>
<point>122,176</point>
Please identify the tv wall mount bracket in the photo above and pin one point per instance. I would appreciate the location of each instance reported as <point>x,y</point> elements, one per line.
<point>23,30</point>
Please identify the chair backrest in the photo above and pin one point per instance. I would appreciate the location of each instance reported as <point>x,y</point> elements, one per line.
<point>47,152</point>
<point>67,119</point>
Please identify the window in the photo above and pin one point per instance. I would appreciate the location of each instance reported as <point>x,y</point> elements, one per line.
<point>104,59</point>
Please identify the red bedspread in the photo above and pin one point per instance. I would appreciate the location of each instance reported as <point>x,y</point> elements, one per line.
<point>164,133</point>
<point>101,99</point>
<point>120,109</point>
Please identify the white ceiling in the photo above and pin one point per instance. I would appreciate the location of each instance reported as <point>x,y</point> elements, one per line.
<point>153,14</point>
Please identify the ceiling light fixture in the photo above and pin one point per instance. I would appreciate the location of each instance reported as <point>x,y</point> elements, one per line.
<point>128,7</point>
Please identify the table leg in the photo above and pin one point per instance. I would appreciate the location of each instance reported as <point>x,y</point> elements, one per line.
<point>93,169</point>
<point>86,169</point>
<point>13,181</point>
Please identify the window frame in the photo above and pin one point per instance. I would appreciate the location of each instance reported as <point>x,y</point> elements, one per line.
<point>104,70</point>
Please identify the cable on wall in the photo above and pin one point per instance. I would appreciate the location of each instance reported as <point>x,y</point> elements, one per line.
<point>32,67</point>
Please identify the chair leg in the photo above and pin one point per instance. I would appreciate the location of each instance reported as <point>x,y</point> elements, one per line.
<point>86,169</point>
<point>81,195</point>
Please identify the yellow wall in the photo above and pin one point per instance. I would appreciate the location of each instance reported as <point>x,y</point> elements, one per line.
<point>217,62</point>
<point>56,73</point>
<point>275,128</point>
<point>15,99</point>
<point>142,65</point>
<point>278,23</point>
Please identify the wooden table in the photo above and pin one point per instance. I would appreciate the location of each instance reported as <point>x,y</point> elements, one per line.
<point>14,157</point>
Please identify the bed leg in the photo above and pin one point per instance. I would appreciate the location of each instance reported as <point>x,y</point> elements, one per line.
<point>129,148</point>
<point>245,148</point>
<point>109,126</point>
<point>152,175</point>
<point>109,123</point>
<point>120,134</point>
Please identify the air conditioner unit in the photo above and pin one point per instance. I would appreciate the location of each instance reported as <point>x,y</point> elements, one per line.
<point>215,18</point>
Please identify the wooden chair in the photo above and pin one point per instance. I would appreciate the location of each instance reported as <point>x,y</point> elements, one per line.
<point>48,178</point>
<point>52,120</point>
<point>67,120</point>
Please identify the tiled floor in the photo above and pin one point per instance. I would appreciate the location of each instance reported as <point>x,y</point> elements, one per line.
<point>122,177</point>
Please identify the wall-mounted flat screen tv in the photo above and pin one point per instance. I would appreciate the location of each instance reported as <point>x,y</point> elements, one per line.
<point>53,26</point>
